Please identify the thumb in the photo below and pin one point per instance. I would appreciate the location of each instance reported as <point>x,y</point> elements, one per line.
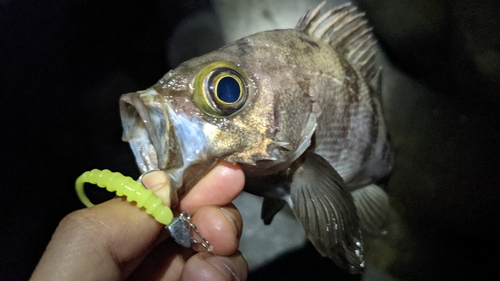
<point>103,242</point>
<point>157,182</point>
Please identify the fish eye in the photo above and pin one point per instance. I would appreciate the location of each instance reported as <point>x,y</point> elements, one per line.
<point>220,89</point>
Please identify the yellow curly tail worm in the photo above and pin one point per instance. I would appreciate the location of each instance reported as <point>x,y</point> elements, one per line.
<point>124,186</point>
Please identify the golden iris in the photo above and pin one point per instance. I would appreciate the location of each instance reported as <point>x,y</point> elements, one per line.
<point>220,89</point>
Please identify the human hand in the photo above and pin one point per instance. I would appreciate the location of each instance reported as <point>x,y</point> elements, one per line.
<point>116,240</point>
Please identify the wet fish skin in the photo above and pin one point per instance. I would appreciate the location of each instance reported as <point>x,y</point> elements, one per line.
<point>310,132</point>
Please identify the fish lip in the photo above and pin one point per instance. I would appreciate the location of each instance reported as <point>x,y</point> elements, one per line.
<point>139,125</point>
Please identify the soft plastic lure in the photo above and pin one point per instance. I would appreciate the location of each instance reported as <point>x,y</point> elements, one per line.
<point>179,228</point>
<point>128,187</point>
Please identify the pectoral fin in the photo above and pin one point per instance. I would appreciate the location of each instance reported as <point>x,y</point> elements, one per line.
<point>327,212</point>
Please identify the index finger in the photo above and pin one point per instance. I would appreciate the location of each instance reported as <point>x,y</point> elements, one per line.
<point>219,187</point>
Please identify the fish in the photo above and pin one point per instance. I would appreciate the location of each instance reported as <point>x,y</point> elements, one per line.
<point>298,109</point>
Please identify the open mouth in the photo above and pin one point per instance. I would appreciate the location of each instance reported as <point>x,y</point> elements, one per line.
<point>144,128</point>
<point>164,139</point>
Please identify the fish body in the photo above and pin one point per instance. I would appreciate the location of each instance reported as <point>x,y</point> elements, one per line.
<point>299,110</point>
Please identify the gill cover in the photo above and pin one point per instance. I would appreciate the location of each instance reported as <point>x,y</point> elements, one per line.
<point>221,89</point>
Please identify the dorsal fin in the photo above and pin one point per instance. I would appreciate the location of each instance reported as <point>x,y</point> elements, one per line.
<point>347,31</point>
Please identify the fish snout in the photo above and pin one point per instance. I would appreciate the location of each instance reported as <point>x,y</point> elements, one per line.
<point>144,128</point>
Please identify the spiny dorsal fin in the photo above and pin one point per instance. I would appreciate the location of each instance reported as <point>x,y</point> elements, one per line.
<point>347,31</point>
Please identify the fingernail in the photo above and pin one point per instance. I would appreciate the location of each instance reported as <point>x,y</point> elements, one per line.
<point>154,180</point>
<point>158,182</point>
<point>223,264</point>
<point>232,218</point>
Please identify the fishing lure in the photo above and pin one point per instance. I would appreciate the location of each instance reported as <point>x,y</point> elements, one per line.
<point>180,228</point>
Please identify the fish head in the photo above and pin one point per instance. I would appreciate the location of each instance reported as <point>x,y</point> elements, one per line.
<point>214,107</point>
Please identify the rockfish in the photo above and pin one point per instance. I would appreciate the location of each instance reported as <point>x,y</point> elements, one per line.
<point>299,109</point>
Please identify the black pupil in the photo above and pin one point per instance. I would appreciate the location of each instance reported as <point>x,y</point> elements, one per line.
<point>228,90</point>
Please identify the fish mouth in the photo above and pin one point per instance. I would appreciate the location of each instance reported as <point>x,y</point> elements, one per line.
<point>144,127</point>
<point>162,138</point>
